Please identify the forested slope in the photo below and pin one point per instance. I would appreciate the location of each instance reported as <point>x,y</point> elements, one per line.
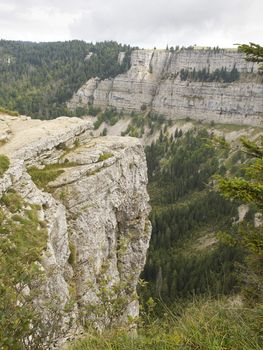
<point>185,257</point>
<point>37,79</point>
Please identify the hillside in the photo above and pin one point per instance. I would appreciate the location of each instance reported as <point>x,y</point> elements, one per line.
<point>74,197</point>
<point>37,79</point>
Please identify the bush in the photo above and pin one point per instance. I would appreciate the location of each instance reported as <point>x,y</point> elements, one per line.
<point>12,201</point>
<point>105,156</point>
<point>22,243</point>
<point>4,164</point>
<point>73,254</point>
<point>7,111</point>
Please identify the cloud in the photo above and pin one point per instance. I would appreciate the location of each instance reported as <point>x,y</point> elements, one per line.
<point>145,23</point>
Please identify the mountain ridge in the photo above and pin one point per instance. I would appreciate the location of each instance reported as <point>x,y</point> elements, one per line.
<point>155,82</point>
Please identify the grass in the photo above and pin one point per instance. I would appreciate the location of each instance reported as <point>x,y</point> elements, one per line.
<point>203,325</point>
<point>4,164</point>
<point>23,226</point>
<point>73,254</point>
<point>12,201</point>
<point>217,325</point>
<point>122,341</point>
<point>105,156</point>
<point>42,177</point>
<point>23,239</point>
<point>7,111</point>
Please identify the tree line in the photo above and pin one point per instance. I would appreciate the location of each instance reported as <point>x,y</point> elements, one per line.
<point>219,75</point>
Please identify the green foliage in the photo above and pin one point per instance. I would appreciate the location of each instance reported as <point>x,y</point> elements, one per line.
<point>41,177</point>
<point>254,52</point>
<point>105,156</point>
<point>73,254</point>
<point>91,110</point>
<point>4,164</point>
<point>180,169</point>
<point>218,325</point>
<point>22,242</point>
<point>40,77</point>
<point>7,111</point>
<point>207,325</point>
<point>219,75</point>
<point>110,116</point>
<point>110,302</point>
<point>136,128</point>
<point>104,132</point>
<point>12,201</point>
<point>249,189</point>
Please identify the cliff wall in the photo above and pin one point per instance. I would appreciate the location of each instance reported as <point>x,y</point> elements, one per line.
<point>154,82</point>
<point>95,211</point>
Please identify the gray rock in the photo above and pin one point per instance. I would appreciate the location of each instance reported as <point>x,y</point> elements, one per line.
<point>97,210</point>
<point>153,81</point>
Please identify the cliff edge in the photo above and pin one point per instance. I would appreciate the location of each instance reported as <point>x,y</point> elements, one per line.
<point>90,195</point>
<point>155,82</point>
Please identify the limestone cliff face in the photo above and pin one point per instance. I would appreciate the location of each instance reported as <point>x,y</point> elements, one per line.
<point>96,211</point>
<point>154,81</point>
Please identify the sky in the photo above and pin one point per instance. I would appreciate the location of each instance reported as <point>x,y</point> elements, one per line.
<point>143,23</point>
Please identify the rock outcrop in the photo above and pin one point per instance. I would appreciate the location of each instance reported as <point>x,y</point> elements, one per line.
<point>96,212</point>
<point>154,82</point>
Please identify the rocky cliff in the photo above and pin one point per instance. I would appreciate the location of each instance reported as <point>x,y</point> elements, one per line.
<point>95,211</point>
<point>154,82</point>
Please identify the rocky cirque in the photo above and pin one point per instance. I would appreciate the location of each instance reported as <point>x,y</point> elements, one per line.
<point>96,210</point>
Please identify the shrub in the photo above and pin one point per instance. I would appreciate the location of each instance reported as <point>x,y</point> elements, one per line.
<point>7,111</point>
<point>22,243</point>
<point>4,164</point>
<point>105,156</point>
<point>73,254</point>
<point>12,201</point>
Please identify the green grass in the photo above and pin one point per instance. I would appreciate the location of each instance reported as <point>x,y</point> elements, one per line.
<point>203,325</point>
<point>105,156</point>
<point>4,164</point>
<point>73,254</point>
<point>218,325</point>
<point>7,111</point>
<point>12,201</point>
<point>23,239</point>
<point>120,340</point>
<point>42,177</point>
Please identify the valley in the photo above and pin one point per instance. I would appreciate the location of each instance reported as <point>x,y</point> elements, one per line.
<point>131,197</point>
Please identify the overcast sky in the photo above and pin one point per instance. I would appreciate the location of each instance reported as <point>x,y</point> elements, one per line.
<point>145,23</point>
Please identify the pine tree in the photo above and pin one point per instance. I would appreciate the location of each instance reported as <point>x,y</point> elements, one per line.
<point>249,190</point>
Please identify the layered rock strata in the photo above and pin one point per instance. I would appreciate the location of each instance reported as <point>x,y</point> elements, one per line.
<point>154,82</point>
<point>96,212</point>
